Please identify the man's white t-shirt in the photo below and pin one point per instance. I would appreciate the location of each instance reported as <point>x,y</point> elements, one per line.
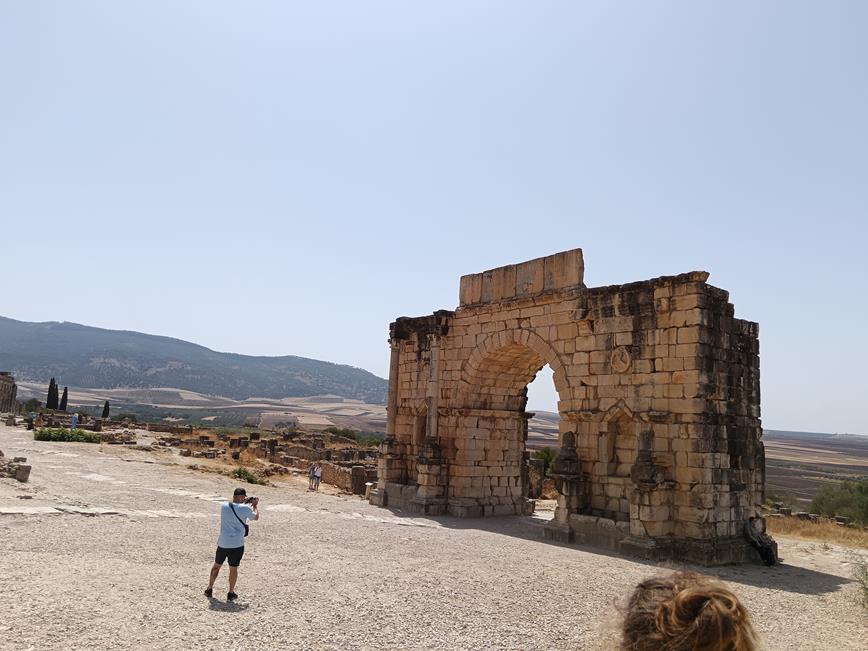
<point>231,530</point>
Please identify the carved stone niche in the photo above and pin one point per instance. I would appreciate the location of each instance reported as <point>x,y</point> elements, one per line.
<point>645,473</point>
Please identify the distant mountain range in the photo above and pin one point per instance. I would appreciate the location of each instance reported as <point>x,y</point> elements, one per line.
<point>84,356</point>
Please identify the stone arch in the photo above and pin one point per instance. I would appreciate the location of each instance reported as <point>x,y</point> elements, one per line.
<point>670,348</point>
<point>490,403</point>
<point>503,364</point>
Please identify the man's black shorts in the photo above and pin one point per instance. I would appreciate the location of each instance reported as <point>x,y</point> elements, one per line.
<point>234,555</point>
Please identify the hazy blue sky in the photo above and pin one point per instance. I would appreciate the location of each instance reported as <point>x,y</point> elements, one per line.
<point>286,178</point>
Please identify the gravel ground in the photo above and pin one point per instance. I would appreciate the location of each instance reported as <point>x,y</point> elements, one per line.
<point>112,548</point>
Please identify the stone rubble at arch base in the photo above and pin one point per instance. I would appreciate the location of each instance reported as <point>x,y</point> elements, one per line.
<point>661,453</point>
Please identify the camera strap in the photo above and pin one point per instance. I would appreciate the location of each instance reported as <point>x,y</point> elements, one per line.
<point>243,524</point>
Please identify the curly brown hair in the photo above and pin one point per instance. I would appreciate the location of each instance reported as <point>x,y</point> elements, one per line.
<point>686,611</point>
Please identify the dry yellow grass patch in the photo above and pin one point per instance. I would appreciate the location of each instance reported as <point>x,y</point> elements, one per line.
<point>824,530</point>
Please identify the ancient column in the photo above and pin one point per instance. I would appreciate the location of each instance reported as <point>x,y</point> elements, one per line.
<point>430,494</point>
<point>433,388</point>
<point>392,401</point>
<point>390,466</point>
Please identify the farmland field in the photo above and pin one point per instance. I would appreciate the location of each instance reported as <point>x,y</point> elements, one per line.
<point>799,464</point>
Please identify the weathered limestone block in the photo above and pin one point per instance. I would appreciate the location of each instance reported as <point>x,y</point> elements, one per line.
<point>14,468</point>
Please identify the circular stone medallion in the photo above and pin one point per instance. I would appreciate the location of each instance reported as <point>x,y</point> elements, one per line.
<point>621,360</point>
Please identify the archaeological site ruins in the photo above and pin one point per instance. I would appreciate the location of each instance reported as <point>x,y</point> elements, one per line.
<point>658,383</point>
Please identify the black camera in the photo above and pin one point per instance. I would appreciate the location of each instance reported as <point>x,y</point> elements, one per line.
<point>251,499</point>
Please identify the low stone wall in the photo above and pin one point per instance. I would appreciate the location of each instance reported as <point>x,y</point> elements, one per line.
<point>347,477</point>
<point>301,452</point>
<point>168,429</point>
<point>337,476</point>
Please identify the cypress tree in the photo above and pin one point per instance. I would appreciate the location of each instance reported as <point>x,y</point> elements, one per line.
<point>51,399</point>
<point>64,398</point>
<point>105,410</point>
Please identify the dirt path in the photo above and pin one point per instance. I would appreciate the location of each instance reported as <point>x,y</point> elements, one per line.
<point>113,546</point>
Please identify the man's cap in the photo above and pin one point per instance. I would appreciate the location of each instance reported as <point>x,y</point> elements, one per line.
<point>239,491</point>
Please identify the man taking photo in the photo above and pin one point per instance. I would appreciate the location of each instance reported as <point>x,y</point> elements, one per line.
<point>230,543</point>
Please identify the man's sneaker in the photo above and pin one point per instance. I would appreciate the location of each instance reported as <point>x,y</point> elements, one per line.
<point>208,592</point>
<point>231,596</point>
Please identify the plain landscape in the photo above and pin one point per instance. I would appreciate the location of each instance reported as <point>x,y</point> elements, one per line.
<point>798,464</point>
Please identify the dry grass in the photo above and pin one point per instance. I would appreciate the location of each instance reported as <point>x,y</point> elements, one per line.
<point>824,530</point>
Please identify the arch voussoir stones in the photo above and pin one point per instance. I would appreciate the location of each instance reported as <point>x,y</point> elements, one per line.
<point>648,412</point>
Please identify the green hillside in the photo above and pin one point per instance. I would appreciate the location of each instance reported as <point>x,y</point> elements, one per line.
<point>83,356</point>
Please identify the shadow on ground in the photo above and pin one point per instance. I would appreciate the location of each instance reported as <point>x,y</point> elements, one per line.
<point>787,578</point>
<point>227,606</point>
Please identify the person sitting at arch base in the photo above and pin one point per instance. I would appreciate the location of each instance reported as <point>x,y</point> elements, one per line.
<point>754,531</point>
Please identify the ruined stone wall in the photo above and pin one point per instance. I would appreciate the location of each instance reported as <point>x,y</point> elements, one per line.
<point>337,476</point>
<point>8,392</point>
<point>658,386</point>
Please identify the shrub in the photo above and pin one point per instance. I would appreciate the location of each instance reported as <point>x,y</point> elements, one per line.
<point>370,439</point>
<point>32,405</point>
<point>849,499</point>
<point>546,454</point>
<point>244,474</point>
<point>342,431</point>
<point>64,434</point>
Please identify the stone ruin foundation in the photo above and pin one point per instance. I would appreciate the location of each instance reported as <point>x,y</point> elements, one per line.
<point>14,468</point>
<point>659,398</point>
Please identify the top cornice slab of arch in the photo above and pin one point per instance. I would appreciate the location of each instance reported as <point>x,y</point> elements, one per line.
<point>560,275</point>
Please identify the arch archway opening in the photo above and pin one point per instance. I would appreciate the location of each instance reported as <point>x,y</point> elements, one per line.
<point>542,439</point>
<point>506,473</point>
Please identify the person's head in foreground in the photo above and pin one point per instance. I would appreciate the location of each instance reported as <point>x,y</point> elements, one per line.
<point>686,611</point>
